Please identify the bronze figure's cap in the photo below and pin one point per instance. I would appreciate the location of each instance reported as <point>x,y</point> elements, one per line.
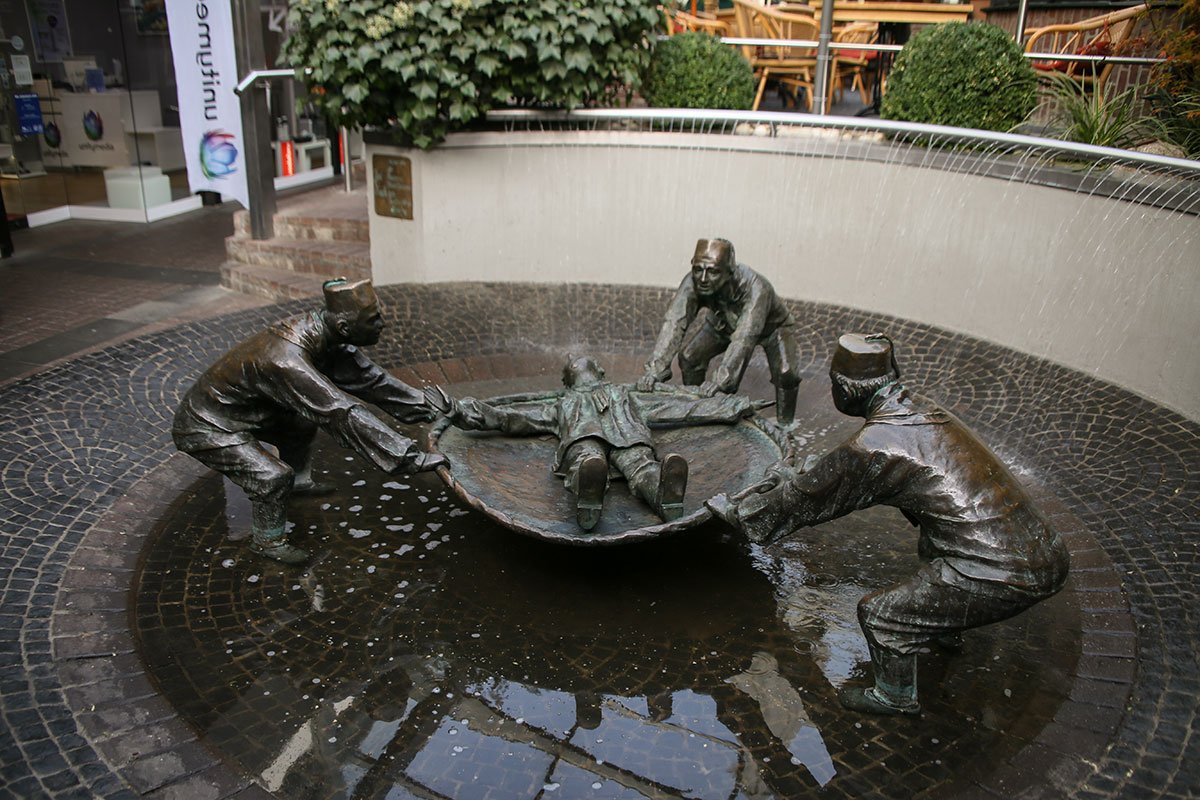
<point>343,296</point>
<point>863,357</point>
<point>718,250</point>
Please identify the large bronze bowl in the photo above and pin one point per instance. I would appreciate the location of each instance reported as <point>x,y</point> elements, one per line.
<point>509,478</point>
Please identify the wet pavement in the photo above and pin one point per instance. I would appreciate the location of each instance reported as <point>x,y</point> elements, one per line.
<point>429,651</point>
<point>140,658</point>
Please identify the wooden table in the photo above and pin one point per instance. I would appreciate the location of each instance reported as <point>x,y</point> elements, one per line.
<point>851,11</point>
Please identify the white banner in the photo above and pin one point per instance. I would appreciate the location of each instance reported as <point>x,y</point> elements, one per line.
<point>209,113</point>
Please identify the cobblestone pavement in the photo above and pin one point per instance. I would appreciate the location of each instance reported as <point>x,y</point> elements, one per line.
<point>77,285</point>
<point>87,469</point>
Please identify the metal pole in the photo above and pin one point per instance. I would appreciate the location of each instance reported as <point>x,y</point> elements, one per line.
<point>345,137</point>
<point>256,122</point>
<point>824,58</point>
<point>1020,34</point>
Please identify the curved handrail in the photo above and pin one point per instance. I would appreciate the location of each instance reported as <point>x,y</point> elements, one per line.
<point>856,123</point>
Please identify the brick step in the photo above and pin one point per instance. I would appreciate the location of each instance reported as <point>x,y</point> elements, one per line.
<point>326,259</point>
<point>274,284</point>
<point>303,226</point>
<point>329,214</point>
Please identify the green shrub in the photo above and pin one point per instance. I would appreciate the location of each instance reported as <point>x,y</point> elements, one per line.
<point>1176,99</point>
<point>1082,114</point>
<point>968,75</point>
<point>429,67</point>
<point>694,70</point>
<point>1178,115</point>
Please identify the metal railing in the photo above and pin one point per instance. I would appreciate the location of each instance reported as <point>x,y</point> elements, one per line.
<point>721,121</point>
<point>1145,179</point>
<point>254,76</point>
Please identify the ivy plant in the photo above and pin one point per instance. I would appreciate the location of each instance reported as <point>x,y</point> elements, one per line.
<point>429,67</point>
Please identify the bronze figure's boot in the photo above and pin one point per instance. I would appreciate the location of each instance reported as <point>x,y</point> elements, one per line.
<point>591,481</point>
<point>950,641</point>
<point>672,484</point>
<point>785,404</point>
<point>269,519</point>
<point>306,486</point>
<point>895,689</point>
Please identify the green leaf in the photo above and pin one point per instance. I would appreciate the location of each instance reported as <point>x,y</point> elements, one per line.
<point>355,92</point>
<point>462,112</point>
<point>422,111</point>
<point>396,60</point>
<point>487,65</point>
<point>579,58</point>
<point>588,31</point>
<point>426,90</point>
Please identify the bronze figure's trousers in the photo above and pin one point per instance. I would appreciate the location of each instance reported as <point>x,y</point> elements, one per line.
<point>937,601</point>
<point>638,464</point>
<point>263,476</point>
<point>706,342</point>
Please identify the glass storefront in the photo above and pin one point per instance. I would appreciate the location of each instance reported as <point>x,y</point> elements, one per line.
<point>89,117</point>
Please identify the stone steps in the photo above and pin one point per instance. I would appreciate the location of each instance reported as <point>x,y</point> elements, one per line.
<point>310,221</point>
<point>306,256</point>
<point>319,235</point>
<point>276,284</point>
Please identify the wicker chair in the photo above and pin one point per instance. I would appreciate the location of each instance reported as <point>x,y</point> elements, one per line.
<point>789,66</point>
<point>858,63</point>
<point>1100,36</point>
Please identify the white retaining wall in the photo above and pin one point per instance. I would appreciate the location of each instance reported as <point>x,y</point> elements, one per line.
<point>1108,287</point>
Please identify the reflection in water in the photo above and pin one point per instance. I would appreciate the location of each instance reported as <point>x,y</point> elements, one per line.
<point>783,713</point>
<point>428,653</point>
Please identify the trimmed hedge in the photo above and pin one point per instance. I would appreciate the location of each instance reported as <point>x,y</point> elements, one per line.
<point>969,75</point>
<point>694,70</point>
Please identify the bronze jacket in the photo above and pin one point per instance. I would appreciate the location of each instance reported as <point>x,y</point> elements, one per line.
<point>747,311</point>
<point>297,368</point>
<point>919,458</point>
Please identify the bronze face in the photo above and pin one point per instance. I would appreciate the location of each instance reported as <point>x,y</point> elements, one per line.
<point>582,371</point>
<point>364,328</point>
<point>841,400</point>
<point>709,276</point>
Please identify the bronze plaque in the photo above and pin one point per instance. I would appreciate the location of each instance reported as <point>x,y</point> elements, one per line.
<point>393,186</point>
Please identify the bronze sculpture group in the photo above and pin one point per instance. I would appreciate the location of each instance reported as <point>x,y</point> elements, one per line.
<point>987,552</point>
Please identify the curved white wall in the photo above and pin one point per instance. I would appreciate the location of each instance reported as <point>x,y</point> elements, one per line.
<point>1108,287</point>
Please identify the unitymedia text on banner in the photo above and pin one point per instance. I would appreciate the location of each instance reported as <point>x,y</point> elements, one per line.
<point>209,112</point>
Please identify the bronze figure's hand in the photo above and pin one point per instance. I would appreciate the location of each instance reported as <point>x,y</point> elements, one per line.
<point>438,400</point>
<point>428,462</point>
<point>414,414</point>
<point>708,389</point>
<point>646,382</point>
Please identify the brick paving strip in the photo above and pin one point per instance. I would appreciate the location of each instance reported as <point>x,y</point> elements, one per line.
<point>87,469</point>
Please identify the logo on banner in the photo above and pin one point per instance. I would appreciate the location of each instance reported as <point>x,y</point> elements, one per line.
<point>218,154</point>
<point>52,135</point>
<point>93,126</point>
